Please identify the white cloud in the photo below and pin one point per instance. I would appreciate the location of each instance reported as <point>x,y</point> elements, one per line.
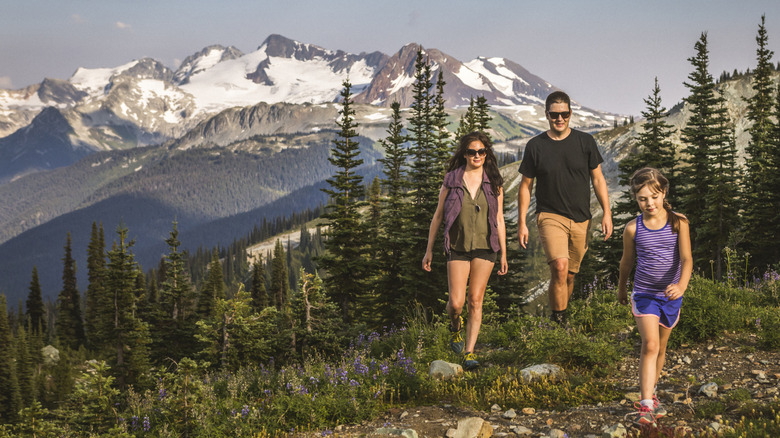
<point>120,25</point>
<point>5,82</point>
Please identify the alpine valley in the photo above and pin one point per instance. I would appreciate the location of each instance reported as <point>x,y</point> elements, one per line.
<point>218,144</point>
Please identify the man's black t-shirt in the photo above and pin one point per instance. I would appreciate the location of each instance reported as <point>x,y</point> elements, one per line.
<point>562,172</point>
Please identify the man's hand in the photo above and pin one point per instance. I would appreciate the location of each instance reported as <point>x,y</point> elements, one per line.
<point>606,225</point>
<point>522,235</point>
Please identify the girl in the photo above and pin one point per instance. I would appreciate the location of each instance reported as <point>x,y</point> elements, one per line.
<point>471,203</point>
<point>660,239</point>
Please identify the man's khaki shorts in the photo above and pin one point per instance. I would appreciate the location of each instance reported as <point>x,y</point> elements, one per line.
<point>563,238</point>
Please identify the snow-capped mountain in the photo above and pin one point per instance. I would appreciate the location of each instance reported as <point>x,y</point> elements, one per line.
<point>144,102</point>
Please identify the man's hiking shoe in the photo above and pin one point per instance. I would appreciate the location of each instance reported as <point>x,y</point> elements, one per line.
<point>470,362</point>
<point>456,340</point>
<point>644,415</point>
<point>658,409</point>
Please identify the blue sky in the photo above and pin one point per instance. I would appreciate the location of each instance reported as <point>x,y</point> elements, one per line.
<point>604,53</point>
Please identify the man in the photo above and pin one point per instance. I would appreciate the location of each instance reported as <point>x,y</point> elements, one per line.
<point>564,161</point>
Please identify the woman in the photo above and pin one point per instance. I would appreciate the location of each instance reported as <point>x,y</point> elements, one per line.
<point>471,204</point>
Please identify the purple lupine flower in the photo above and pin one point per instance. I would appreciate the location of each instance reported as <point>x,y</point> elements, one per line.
<point>147,424</point>
<point>245,411</point>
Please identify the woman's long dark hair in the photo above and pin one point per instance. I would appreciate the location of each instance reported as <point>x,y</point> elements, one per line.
<point>491,164</point>
<point>652,178</point>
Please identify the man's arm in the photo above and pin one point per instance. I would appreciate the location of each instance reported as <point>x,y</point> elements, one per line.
<point>523,201</point>
<point>600,187</point>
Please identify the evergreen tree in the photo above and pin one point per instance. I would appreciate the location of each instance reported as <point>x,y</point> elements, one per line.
<point>258,292</point>
<point>468,121</point>
<point>704,132</point>
<point>213,288</point>
<point>280,281</point>
<point>482,115</point>
<point>236,336</point>
<point>10,398</point>
<point>173,315</point>
<point>760,213</point>
<point>441,136</point>
<point>393,234</point>
<point>654,149</point>
<point>721,218</point>
<point>425,175</point>
<point>96,322</point>
<point>345,261</point>
<point>129,336</point>
<point>317,322</point>
<point>70,327</point>
<point>24,367</point>
<point>35,311</point>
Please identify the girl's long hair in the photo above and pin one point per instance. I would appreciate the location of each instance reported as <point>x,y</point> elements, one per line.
<point>491,164</point>
<point>652,178</point>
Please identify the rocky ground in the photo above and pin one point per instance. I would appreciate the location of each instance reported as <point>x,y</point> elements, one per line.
<point>731,363</point>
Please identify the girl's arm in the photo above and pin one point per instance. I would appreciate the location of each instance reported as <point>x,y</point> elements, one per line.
<point>438,216</point>
<point>502,233</point>
<point>627,261</point>
<point>674,291</point>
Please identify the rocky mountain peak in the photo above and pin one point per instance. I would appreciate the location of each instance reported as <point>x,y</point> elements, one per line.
<point>206,58</point>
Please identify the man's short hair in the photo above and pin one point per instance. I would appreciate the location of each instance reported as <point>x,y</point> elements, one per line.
<point>557,97</point>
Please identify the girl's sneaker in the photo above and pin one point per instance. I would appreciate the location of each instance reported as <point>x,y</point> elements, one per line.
<point>470,362</point>
<point>456,340</point>
<point>658,409</point>
<point>644,415</point>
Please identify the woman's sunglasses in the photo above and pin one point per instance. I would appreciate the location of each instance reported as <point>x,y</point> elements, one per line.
<point>474,152</point>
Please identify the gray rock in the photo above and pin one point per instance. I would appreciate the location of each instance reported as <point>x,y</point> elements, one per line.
<point>709,389</point>
<point>557,433</point>
<point>495,408</point>
<point>553,372</point>
<point>510,414</point>
<point>473,427</point>
<point>521,431</point>
<point>442,370</point>
<point>614,431</point>
<point>451,433</point>
<point>633,396</point>
<point>408,433</point>
<point>403,415</point>
<point>715,426</point>
<point>50,355</point>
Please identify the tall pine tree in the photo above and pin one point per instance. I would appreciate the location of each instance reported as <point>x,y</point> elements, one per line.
<point>70,327</point>
<point>10,398</point>
<point>703,133</point>
<point>654,148</point>
<point>97,324</point>
<point>213,288</point>
<point>345,260</point>
<point>35,310</point>
<point>426,174</point>
<point>258,291</point>
<point>280,280</point>
<point>760,212</point>
<point>129,336</point>
<point>394,234</point>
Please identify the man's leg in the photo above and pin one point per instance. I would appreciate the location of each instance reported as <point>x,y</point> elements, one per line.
<point>559,290</point>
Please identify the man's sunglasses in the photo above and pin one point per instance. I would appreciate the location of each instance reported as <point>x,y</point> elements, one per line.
<point>474,152</point>
<point>555,114</point>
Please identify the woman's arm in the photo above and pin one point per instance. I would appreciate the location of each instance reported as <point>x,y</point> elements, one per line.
<point>627,261</point>
<point>438,217</point>
<point>501,232</point>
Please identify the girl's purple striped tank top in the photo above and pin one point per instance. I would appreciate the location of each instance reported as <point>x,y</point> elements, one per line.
<point>657,258</point>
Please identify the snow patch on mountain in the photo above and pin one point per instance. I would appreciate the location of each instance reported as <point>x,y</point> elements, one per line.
<point>471,78</point>
<point>12,100</point>
<point>94,80</point>
<point>502,82</point>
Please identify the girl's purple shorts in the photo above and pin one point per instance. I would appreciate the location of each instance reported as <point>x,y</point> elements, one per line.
<point>667,312</point>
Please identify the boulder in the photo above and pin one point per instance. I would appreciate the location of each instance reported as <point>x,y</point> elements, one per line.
<point>50,355</point>
<point>407,433</point>
<point>473,427</point>
<point>614,431</point>
<point>443,370</point>
<point>709,389</point>
<point>552,372</point>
